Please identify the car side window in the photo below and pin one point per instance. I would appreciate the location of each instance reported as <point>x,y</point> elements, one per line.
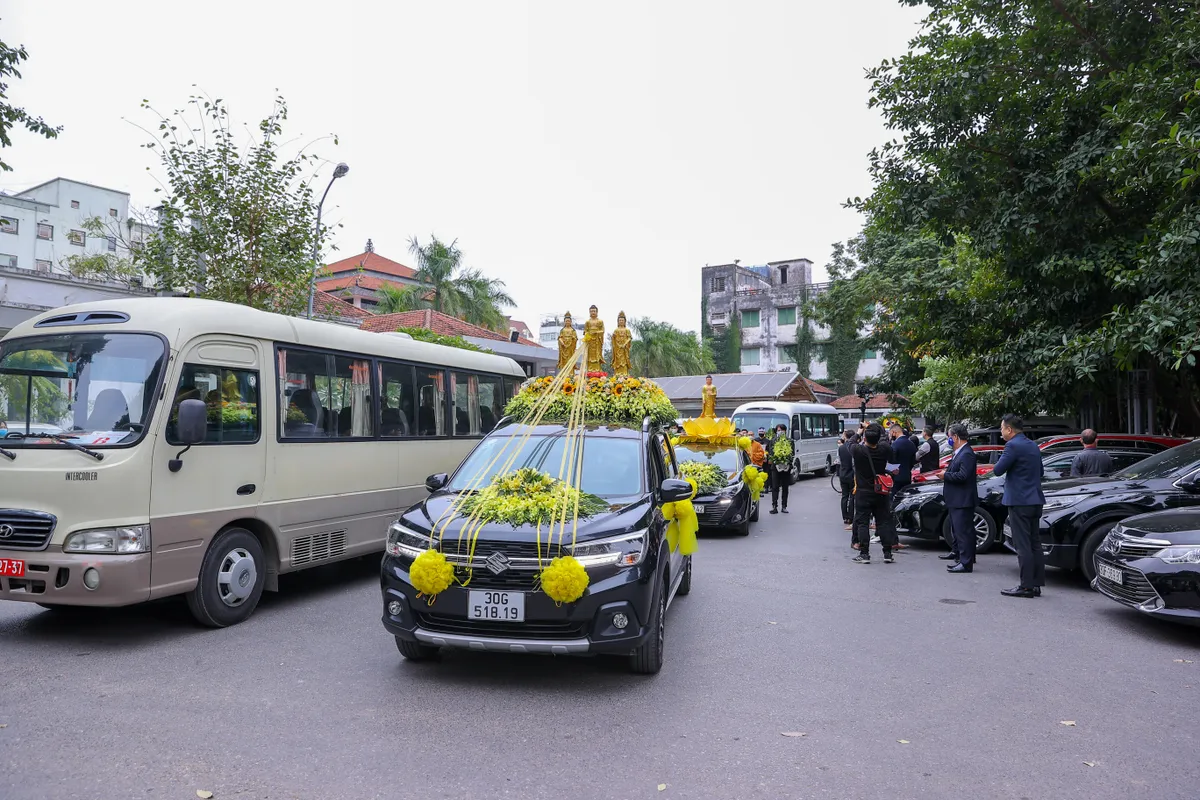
<point>666,463</point>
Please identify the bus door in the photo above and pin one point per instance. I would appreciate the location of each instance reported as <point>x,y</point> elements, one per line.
<point>221,479</point>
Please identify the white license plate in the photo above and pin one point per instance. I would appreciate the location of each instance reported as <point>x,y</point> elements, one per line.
<point>699,509</point>
<point>496,606</point>
<point>1110,573</point>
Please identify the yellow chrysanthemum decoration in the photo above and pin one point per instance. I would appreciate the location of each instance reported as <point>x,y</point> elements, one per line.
<point>564,580</point>
<point>744,442</point>
<point>431,574</point>
<point>756,479</point>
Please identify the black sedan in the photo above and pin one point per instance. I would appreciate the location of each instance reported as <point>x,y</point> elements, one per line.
<point>731,508</point>
<point>1080,513</point>
<point>921,511</point>
<point>1151,562</point>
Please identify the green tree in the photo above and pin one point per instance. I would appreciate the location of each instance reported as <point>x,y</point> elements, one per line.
<point>117,264</point>
<point>10,115</point>
<point>394,300</point>
<point>237,223</point>
<point>426,335</point>
<point>459,291</point>
<point>805,347</point>
<point>661,350</point>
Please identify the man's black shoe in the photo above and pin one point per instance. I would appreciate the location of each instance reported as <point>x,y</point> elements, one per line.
<point>774,510</point>
<point>860,559</point>
<point>785,509</point>
<point>888,558</point>
<point>960,568</point>
<point>1020,591</point>
<point>1037,590</point>
<point>949,556</point>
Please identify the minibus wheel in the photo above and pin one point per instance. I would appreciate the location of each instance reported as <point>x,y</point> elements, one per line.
<point>231,582</point>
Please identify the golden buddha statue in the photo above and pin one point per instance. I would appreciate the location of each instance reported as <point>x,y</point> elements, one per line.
<point>593,340</point>
<point>708,398</point>
<point>567,341</point>
<point>622,344</point>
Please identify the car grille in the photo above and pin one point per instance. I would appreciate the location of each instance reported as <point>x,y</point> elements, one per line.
<point>1135,589</point>
<point>1122,544</point>
<point>713,514</point>
<point>522,577</point>
<point>443,623</point>
<point>25,530</point>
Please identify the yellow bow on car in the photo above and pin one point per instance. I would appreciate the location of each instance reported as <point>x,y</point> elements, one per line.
<point>684,524</point>
<point>756,479</point>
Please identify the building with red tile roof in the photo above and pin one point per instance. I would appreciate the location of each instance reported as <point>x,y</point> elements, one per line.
<point>327,306</point>
<point>359,278</point>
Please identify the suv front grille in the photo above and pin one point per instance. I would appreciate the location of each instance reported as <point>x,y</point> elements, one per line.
<point>1134,588</point>
<point>442,623</point>
<point>519,576</point>
<point>25,530</point>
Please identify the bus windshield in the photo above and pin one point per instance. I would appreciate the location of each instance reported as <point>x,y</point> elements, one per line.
<point>753,420</point>
<point>94,389</point>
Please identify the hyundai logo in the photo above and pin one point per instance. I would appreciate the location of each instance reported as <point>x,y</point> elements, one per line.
<point>496,563</point>
<point>7,531</point>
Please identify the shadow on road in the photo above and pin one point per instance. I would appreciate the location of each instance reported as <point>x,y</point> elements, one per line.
<point>1158,630</point>
<point>547,675</point>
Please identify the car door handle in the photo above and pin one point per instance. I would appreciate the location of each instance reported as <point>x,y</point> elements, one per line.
<point>246,489</point>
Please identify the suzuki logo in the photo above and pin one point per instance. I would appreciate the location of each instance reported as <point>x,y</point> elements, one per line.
<point>496,563</point>
<point>7,531</point>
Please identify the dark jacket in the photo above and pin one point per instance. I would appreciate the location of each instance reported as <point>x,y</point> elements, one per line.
<point>1022,462</point>
<point>846,463</point>
<point>904,453</point>
<point>866,457</point>
<point>960,479</point>
<point>1091,462</point>
<point>931,458</point>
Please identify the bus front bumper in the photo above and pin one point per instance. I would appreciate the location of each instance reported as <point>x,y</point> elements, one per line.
<point>57,578</point>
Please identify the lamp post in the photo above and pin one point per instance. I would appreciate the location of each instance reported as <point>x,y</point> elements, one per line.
<point>339,171</point>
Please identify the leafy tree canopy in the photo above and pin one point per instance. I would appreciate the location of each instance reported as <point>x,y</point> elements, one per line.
<point>451,287</point>
<point>661,350</point>
<point>10,115</point>
<point>426,335</point>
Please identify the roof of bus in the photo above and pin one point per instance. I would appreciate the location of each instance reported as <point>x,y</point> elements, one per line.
<point>781,405</point>
<point>182,318</point>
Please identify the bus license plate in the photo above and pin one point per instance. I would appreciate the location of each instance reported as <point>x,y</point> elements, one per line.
<point>496,606</point>
<point>12,568</point>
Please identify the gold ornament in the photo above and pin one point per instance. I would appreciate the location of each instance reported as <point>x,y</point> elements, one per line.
<point>622,344</point>
<point>593,340</point>
<point>567,340</point>
<point>708,398</point>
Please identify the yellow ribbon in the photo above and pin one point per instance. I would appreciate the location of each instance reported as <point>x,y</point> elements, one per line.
<point>684,524</point>
<point>756,479</point>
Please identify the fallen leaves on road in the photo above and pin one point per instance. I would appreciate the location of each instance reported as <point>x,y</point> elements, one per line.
<point>769,622</point>
<point>662,787</point>
<point>904,741</point>
<point>4,725</point>
<point>1090,763</point>
<point>1070,723</point>
<point>1183,661</point>
<point>792,734</point>
<point>204,794</point>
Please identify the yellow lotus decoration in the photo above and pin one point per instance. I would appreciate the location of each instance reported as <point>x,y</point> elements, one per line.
<point>706,430</point>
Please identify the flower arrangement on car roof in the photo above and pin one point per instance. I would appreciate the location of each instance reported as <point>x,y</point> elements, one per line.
<point>607,399</point>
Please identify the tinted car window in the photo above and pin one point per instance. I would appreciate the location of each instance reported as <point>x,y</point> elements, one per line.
<point>609,464</point>
<point>1171,463</point>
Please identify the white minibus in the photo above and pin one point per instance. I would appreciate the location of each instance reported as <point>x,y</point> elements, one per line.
<point>174,446</point>
<point>814,429</point>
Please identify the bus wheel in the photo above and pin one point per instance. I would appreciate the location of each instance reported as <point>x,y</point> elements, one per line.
<point>231,582</point>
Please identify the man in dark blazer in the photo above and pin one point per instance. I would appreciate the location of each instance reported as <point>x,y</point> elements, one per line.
<point>1022,463</point>
<point>961,495</point>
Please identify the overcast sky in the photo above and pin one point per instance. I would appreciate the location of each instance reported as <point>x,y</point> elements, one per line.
<point>583,153</point>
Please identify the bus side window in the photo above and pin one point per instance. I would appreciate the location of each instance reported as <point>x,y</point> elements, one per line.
<point>464,398</point>
<point>491,402</point>
<point>232,398</point>
<point>397,400</point>
<point>431,402</point>
<point>806,431</point>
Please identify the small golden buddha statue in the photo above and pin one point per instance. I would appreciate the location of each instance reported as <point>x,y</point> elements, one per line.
<point>593,340</point>
<point>567,340</point>
<point>622,344</point>
<point>708,398</point>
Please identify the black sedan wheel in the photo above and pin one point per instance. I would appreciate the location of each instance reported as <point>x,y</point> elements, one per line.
<point>1087,550</point>
<point>985,532</point>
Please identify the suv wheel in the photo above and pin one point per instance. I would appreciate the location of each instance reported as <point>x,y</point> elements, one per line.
<point>415,651</point>
<point>685,585</point>
<point>647,658</point>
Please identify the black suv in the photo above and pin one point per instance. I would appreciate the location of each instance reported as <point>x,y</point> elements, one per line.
<point>633,576</point>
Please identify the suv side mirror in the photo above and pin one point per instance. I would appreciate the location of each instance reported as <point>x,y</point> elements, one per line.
<point>192,426</point>
<point>674,490</point>
<point>435,482</point>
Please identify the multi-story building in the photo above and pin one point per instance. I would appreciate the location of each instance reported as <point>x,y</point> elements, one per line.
<point>40,228</point>
<point>552,324</point>
<point>767,302</point>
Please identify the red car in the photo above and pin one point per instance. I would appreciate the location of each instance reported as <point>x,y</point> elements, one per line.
<point>1125,441</point>
<point>986,456</point>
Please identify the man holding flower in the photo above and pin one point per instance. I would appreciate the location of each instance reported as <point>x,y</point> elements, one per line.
<point>779,466</point>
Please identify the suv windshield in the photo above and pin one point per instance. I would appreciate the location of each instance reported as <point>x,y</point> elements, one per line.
<point>611,465</point>
<point>725,458</point>
<point>1167,464</point>
<point>94,388</point>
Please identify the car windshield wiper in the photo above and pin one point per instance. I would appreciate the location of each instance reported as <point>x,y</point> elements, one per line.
<point>61,439</point>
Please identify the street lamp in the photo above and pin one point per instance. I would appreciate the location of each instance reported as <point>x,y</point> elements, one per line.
<point>339,171</point>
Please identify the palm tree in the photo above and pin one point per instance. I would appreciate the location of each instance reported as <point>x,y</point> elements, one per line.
<point>461,292</point>
<point>393,300</point>
<point>661,350</point>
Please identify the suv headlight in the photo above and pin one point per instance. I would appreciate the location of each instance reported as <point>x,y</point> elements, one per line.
<point>125,539</point>
<point>1062,502</point>
<point>405,542</point>
<point>625,550</point>
<point>1180,554</point>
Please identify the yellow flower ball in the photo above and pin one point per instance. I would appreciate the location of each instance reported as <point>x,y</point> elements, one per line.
<point>564,580</point>
<point>431,573</point>
<point>744,442</point>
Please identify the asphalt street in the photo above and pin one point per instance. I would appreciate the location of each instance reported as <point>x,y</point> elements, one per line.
<point>905,682</point>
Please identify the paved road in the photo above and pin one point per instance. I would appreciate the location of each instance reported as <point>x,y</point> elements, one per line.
<point>781,633</point>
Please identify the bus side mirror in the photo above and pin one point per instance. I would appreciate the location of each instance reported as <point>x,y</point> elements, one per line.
<point>435,482</point>
<point>191,427</point>
<point>796,434</point>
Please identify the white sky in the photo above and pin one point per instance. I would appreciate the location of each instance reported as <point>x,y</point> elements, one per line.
<point>583,154</point>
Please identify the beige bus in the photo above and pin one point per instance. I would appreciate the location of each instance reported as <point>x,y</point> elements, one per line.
<point>170,446</point>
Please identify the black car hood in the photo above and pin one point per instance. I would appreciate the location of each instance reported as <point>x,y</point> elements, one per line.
<point>1180,526</point>
<point>1068,487</point>
<point>626,514</point>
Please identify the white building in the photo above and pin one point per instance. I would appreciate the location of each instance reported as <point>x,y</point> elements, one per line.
<point>551,325</point>
<point>39,229</point>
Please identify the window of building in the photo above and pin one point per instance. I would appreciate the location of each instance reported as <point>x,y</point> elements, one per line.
<point>7,260</point>
<point>787,315</point>
<point>464,403</point>
<point>74,204</point>
<point>869,354</point>
<point>718,284</point>
<point>232,398</point>
<point>112,212</point>
<point>786,355</point>
<point>783,275</point>
<point>45,231</point>
<point>77,237</point>
<point>750,319</point>
<point>325,396</point>
<point>112,243</point>
<point>9,225</point>
<point>43,265</point>
<point>750,356</point>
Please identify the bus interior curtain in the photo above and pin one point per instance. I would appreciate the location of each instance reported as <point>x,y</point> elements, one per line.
<point>360,401</point>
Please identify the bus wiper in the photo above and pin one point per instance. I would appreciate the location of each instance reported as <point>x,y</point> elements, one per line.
<point>58,437</point>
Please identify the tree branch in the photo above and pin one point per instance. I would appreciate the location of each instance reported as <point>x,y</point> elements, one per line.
<point>1086,34</point>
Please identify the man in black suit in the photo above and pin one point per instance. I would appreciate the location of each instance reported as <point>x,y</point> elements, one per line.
<point>1022,463</point>
<point>961,495</point>
<point>846,477</point>
<point>904,454</point>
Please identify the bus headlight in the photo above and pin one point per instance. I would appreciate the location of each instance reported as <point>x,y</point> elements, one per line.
<point>625,550</point>
<point>126,539</point>
<point>405,542</point>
